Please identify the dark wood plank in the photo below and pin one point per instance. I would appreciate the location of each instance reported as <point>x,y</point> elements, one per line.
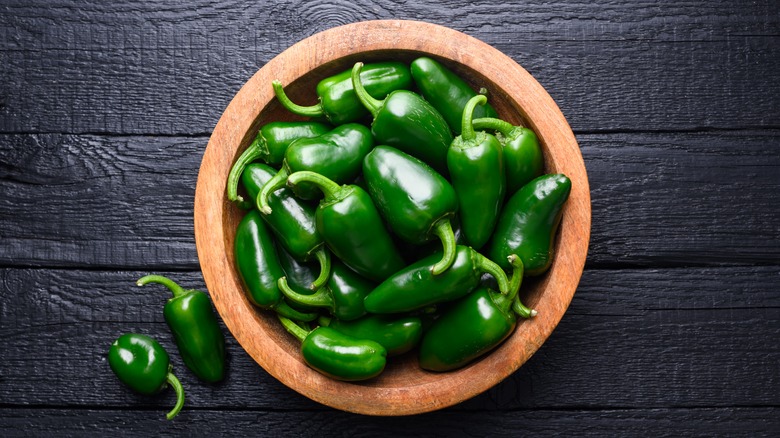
<point>140,68</point>
<point>671,199</point>
<point>674,422</point>
<point>631,339</point>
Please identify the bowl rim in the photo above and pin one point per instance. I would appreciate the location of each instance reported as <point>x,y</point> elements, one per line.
<point>267,346</point>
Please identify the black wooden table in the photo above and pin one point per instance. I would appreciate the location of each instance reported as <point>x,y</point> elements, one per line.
<point>106,108</point>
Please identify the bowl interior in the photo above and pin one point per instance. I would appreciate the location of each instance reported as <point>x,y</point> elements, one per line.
<point>403,388</point>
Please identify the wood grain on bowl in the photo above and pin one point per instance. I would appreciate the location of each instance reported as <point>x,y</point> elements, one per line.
<point>403,388</point>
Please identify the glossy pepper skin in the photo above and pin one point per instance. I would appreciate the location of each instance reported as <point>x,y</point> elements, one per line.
<point>269,146</point>
<point>476,165</point>
<point>258,266</point>
<point>446,91</point>
<point>415,201</point>
<point>337,155</point>
<point>337,355</point>
<point>528,223</point>
<point>300,276</point>
<point>142,363</point>
<point>292,222</point>
<point>472,326</point>
<point>352,227</point>
<point>397,334</point>
<point>343,295</point>
<point>404,120</point>
<point>415,287</point>
<point>523,160</point>
<point>195,329</point>
<point>338,102</point>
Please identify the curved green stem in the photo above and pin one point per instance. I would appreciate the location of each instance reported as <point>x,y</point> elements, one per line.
<point>321,298</point>
<point>467,128</point>
<point>371,104</point>
<point>522,310</point>
<point>309,111</point>
<point>174,382</point>
<point>252,153</point>
<point>284,309</point>
<point>443,230</point>
<point>165,281</point>
<point>323,256</point>
<point>328,187</point>
<point>273,184</point>
<point>514,287</point>
<point>493,125</point>
<point>484,264</point>
<point>293,328</point>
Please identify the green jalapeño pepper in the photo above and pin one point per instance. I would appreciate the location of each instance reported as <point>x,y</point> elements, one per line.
<point>342,297</point>
<point>406,121</point>
<point>337,99</point>
<point>352,227</point>
<point>473,326</point>
<point>337,154</point>
<point>476,165</point>
<point>415,287</point>
<point>446,91</point>
<point>270,145</point>
<point>397,335</point>
<point>415,201</point>
<point>195,329</point>
<point>300,275</point>
<point>523,159</point>
<point>258,267</point>
<point>292,222</point>
<point>337,355</point>
<point>528,223</point>
<point>142,363</point>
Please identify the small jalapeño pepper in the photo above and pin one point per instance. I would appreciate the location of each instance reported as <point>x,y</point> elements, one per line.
<point>523,159</point>
<point>142,363</point>
<point>195,329</point>
<point>476,165</point>
<point>397,334</point>
<point>338,102</point>
<point>337,355</point>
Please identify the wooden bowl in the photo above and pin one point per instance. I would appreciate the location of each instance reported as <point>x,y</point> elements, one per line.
<point>403,388</point>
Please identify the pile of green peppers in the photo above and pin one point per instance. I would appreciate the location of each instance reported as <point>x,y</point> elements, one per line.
<point>400,217</point>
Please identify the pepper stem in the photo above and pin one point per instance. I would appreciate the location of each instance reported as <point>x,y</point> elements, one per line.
<point>371,104</point>
<point>323,256</point>
<point>514,287</point>
<point>443,230</point>
<point>325,184</point>
<point>273,184</point>
<point>165,281</point>
<point>321,298</point>
<point>251,153</point>
<point>284,309</point>
<point>467,127</point>
<point>174,382</point>
<point>309,111</point>
<point>294,329</point>
<point>486,265</point>
<point>493,124</point>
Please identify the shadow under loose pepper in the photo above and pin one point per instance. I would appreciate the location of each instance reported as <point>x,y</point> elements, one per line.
<point>337,355</point>
<point>446,91</point>
<point>352,227</point>
<point>397,334</point>
<point>404,120</point>
<point>415,201</point>
<point>195,329</point>
<point>473,326</point>
<point>142,363</point>
<point>476,165</point>
<point>338,102</point>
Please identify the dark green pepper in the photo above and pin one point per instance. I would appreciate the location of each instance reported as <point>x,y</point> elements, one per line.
<point>472,326</point>
<point>415,287</point>
<point>404,120</point>
<point>446,91</point>
<point>528,223</point>
<point>415,201</point>
<point>142,363</point>
<point>523,158</point>
<point>338,102</point>
<point>343,295</point>
<point>337,355</point>
<point>292,222</point>
<point>300,275</point>
<point>397,335</point>
<point>195,329</point>
<point>337,155</point>
<point>270,145</point>
<point>258,267</point>
<point>352,227</point>
<point>476,165</point>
